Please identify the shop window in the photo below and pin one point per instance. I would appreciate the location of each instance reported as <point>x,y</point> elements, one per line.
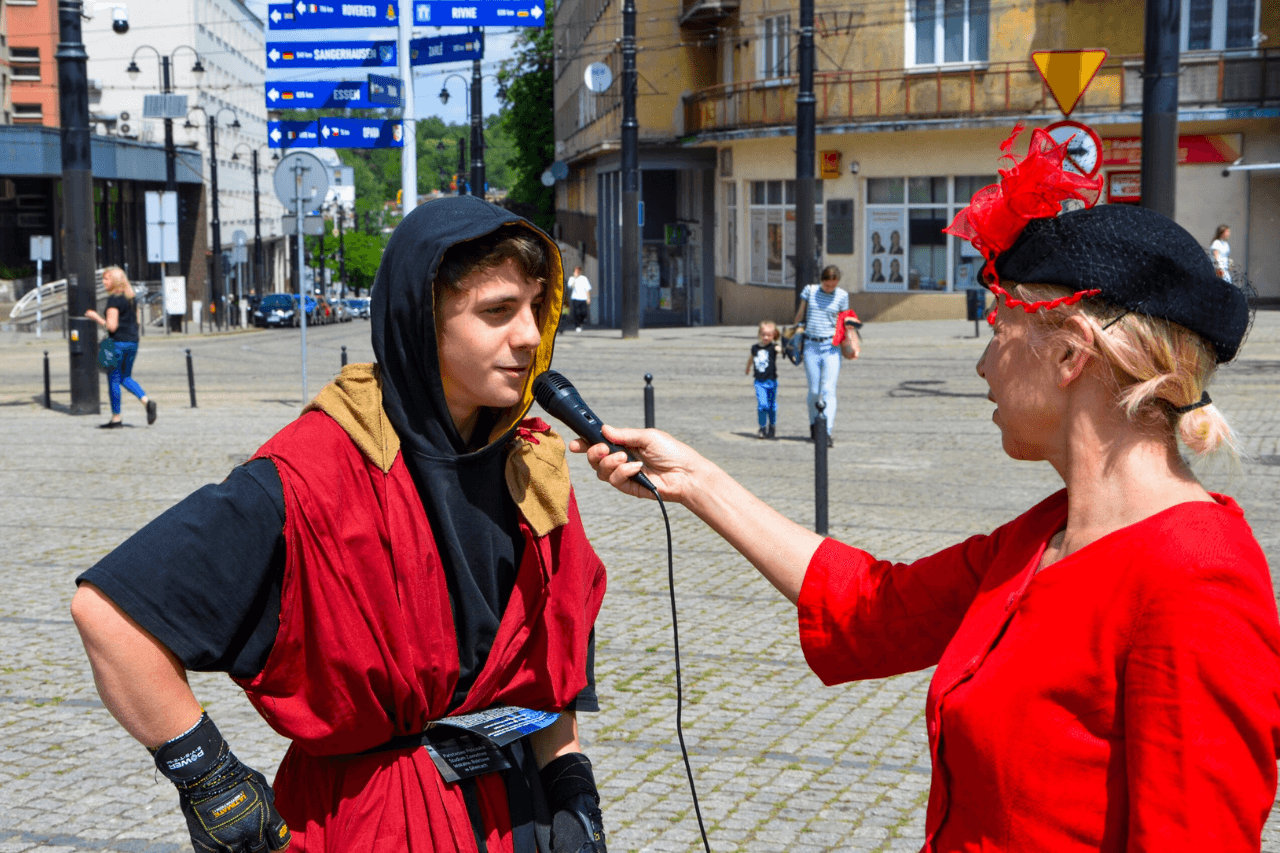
<point>729,264</point>
<point>1219,24</point>
<point>906,246</point>
<point>773,231</point>
<point>947,31</point>
<point>775,47</point>
<point>840,226</point>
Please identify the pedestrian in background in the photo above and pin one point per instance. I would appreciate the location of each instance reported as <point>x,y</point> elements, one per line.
<point>579,297</point>
<point>1221,250</point>
<point>820,307</point>
<point>763,362</point>
<point>121,323</point>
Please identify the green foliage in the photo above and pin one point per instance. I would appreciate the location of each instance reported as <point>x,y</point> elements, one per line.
<point>364,253</point>
<point>529,117</point>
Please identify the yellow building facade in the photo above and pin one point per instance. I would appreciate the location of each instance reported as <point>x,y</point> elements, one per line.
<point>914,98</point>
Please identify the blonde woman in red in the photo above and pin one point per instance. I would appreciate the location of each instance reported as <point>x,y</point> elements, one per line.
<point>1107,663</point>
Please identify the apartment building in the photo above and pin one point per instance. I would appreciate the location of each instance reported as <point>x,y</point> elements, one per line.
<point>33,70</point>
<point>216,55</point>
<point>6,96</point>
<point>913,100</point>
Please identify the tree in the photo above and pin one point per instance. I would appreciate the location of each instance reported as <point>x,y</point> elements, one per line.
<point>364,253</point>
<point>529,117</point>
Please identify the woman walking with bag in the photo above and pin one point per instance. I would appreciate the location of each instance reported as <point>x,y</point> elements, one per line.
<point>121,324</point>
<point>820,306</point>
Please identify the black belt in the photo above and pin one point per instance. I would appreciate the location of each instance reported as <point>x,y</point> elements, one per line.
<point>814,338</point>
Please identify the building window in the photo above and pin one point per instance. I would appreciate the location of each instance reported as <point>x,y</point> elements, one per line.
<point>773,231</point>
<point>25,63</point>
<point>906,249</point>
<point>943,31</point>
<point>775,47</point>
<point>28,112</point>
<point>729,264</point>
<point>1219,24</point>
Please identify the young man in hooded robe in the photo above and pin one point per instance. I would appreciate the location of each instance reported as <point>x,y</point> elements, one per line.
<point>408,549</point>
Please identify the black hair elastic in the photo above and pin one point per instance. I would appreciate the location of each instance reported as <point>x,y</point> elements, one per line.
<point>1124,314</point>
<point>1191,407</point>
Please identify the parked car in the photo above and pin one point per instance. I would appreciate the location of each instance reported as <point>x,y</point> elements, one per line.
<point>276,309</point>
<point>321,314</point>
<point>359,307</point>
<point>341,312</point>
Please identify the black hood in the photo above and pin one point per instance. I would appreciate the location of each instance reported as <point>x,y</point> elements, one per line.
<point>464,492</point>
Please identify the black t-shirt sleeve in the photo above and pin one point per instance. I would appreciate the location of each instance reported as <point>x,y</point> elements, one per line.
<point>587,699</point>
<point>204,577</point>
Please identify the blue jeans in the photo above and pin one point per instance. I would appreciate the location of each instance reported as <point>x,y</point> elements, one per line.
<point>121,375</point>
<point>822,367</point>
<point>767,401</point>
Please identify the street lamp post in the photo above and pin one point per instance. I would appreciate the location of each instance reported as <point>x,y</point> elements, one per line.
<point>166,88</point>
<point>257,217</point>
<point>216,293</point>
<point>474,104</point>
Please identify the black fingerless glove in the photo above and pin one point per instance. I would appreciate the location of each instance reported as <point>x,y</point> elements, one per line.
<point>576,823</point>
<point>229,807</point>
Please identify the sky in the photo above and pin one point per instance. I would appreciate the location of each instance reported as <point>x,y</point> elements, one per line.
<point>429,78</point>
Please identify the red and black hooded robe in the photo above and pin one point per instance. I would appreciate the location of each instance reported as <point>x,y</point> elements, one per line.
<point>423,578</point>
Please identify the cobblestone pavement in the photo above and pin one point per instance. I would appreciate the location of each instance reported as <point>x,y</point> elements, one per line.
<point>781,762</point>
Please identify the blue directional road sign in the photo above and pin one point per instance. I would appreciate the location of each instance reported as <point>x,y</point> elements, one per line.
<point>428,51</point>
<point>293,134</point>
<point>479,13</point>
<point>316,16</point>
<point>324,95</point>
<point>385,91</point>
<point>361,133</point>
<point>331,54</point>
<point>336,133</point>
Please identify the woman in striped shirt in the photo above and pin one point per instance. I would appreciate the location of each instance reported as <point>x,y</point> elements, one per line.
<point>820,306</point>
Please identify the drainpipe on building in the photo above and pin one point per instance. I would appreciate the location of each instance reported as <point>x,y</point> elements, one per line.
<point>1160,106</point>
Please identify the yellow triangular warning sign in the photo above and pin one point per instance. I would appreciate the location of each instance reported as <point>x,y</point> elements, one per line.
<point>1068,73</point>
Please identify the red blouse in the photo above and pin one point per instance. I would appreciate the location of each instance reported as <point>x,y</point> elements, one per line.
<point>1127,697</point>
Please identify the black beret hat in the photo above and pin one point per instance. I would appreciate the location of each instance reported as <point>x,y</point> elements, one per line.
<point>1141,261</point>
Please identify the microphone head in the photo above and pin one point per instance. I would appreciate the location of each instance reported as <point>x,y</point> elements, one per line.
<point>549,385</point>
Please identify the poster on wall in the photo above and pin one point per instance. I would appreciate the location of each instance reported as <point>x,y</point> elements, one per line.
<point>885,227</point>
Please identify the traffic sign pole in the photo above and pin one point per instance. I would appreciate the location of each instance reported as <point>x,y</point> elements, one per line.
<point>409,155</point>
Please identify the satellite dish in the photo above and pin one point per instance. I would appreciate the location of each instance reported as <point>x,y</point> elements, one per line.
<point>559,170</point>
<point>548,179</point>
<point>598,77</point>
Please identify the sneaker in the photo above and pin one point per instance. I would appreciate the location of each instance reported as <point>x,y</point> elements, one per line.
<point>112,425</point>
<point>771,435</point>
<point>762,433</point>
<point>151,412</point>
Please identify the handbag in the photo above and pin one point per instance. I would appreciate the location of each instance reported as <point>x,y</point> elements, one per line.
<point>108,355</point>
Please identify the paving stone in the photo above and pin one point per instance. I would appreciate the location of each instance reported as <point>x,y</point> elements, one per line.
<point>781,761</point>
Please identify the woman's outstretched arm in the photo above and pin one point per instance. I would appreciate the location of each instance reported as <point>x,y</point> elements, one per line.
<point>778,547</point>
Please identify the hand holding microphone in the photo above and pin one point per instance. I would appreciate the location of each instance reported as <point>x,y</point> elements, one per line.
<point>666,460</point>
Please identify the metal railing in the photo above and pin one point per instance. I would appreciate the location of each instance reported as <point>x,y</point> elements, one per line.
<point>1247,78</point>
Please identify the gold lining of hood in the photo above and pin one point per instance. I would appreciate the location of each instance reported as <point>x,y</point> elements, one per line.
<point>536,470</point>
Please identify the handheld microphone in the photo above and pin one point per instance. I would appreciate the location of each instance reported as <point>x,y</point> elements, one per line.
<point>562,401</point>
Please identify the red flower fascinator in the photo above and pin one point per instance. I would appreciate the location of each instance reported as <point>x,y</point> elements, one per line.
<point>1033,188</point>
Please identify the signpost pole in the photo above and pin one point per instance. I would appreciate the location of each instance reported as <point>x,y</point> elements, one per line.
<point>299,215</point>
<point>1160,106</point>
<point>805,155</point>
<point>39,295</point>
<point>477,130</point>
<point>409,155</point>
<point>257,232</point>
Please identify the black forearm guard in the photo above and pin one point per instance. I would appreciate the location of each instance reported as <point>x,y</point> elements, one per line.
<point>577,826</point>
<point>229,807</point>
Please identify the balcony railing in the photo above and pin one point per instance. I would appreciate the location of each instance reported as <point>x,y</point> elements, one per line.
<point>996,89</point>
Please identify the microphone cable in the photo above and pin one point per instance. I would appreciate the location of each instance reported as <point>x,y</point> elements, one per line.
<point>675,638</point>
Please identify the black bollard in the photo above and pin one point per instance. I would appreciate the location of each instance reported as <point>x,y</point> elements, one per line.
<point>344,356</point>
<point>820,470</point>
<point>191,379</point>
<point>648,401</point>
<point>47,402</point>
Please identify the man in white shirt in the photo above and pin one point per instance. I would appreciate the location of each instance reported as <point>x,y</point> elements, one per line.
<point>579,297</point>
